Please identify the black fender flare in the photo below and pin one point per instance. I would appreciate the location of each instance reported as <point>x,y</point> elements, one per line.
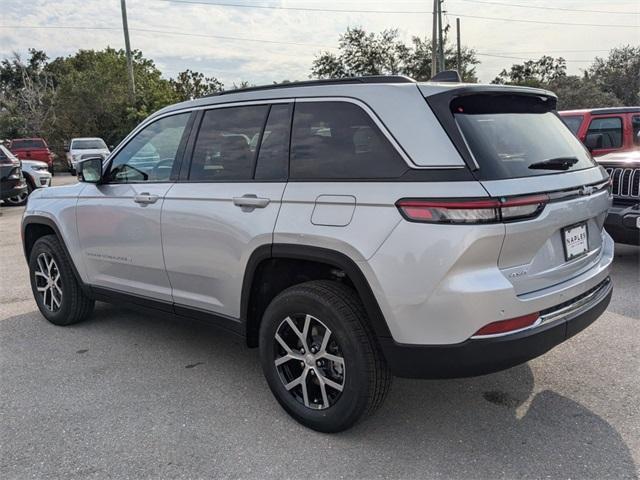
<point>42,220</point>
<point>321,255</point>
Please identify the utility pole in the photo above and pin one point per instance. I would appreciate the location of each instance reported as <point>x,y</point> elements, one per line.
<point>458,57</point>
<point>434,39</point>
<point>440,41</point>
<point>127,46</point>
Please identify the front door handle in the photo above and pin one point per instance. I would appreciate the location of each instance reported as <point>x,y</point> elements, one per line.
<point>250,201</point>
<point>145,198</point>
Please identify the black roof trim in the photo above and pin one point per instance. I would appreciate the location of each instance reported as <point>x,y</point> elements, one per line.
<point>607,111</point>
<point>330,81</point>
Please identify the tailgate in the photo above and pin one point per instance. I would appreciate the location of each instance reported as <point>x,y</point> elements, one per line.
<point>554,197</point>
<point>545,250</point>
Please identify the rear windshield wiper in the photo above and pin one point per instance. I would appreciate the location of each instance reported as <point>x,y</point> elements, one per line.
<point>560,163</point>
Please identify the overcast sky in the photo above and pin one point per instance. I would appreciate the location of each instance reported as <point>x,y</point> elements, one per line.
<point>94,24</point>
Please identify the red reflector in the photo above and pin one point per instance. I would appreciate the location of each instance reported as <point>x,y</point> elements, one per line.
<point>504,326</point>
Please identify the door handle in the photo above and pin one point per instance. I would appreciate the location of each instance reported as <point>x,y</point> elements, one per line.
<point>145,198</point>
<point>250,201</point>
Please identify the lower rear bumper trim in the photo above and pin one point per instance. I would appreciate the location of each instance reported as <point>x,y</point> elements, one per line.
<point>481,356</point>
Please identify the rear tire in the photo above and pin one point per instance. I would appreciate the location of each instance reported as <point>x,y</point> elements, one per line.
<point>329,372</point>
<point>54,284</point>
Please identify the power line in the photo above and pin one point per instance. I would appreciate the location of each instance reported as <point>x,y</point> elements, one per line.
<point>166,32</point>
<point>412,12</point>
<point>244,39</point>
<point>540,7</point>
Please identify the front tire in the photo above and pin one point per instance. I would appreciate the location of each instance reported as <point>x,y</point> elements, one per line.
<point>320,357</point>
<point>54,285</point>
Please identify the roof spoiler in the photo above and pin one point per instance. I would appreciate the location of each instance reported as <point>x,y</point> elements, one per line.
<point>449,76</point>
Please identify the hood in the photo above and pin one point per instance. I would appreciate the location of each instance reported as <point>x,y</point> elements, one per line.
<point>621,158</point>
<point>34,163</point>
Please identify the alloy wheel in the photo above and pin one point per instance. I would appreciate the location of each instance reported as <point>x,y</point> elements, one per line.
<point>17,199</point>
<point>309,361</point>
<point>48,282</point>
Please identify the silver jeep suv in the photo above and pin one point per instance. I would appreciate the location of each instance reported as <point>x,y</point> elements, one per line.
<point>352,230</point>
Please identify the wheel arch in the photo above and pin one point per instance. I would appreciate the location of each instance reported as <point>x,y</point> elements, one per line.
<point>36,226</point>
<point>256,294</point>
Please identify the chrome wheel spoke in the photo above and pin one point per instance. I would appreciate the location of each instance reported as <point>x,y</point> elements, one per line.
<point>48,281</point>
<point>333,358</point>
<point>331,383</point>
<point>299,334</point>
<point>307,357</point>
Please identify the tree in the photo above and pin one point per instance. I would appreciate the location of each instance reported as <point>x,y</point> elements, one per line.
<point>189,85</point>
<point>27,95</point>
<point>362,53</point>
<point>581,92</point>
<point>534,73</point>
<point>619,74</point>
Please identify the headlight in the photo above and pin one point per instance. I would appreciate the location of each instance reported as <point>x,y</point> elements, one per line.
<point>40,168</point>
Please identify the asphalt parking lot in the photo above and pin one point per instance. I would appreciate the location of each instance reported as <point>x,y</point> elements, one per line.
<point>125,395</point>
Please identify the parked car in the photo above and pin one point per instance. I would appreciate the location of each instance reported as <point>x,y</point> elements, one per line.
<point>37,175</point>
<point>86,147</point>
<point>605,130</point>
<point>32,149</point>
<point>378,227</point>
<point>623,221</point>
<point>12,182</point>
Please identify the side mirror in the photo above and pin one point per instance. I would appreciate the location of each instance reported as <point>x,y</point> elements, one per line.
<point>594,141</point>
<point>90,170</point>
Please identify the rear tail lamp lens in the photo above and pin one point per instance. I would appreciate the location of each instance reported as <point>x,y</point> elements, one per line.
<point>508,326</point>
<point>472,210</point>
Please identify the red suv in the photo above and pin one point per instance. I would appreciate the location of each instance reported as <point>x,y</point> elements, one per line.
<point>32,149</point>
<point>605,130</point>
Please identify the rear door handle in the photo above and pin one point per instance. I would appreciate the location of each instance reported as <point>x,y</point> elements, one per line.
<point>250,201</point>
<point>145,198</point>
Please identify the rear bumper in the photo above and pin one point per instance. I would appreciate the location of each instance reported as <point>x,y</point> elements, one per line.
<point>481,356</point>
<point>622,223</point>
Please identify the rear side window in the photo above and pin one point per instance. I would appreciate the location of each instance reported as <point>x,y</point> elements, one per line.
<point>513,136</point>
<point>573,122</point>
<point>339,140</point>
<point>273,156</point>
<point>606,132</point>
<point>29,143</point>
<point>635,125</point>
<point>226,147</point>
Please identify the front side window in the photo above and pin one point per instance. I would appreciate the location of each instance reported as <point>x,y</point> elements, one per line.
<point>339,140</point>
<point>151,154</point>
<point>635,125</point>
<point>226,146</point>
<point>605,132</point>
<point>573,122</point>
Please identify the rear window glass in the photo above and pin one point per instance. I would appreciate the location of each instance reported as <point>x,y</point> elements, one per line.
<point>30,143</point>
<point>573,122</point>
<point>515,137</point>
<point>88,145</point>
<point>605,132</point>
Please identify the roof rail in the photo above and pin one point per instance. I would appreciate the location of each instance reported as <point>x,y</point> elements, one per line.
<point>330,81</point>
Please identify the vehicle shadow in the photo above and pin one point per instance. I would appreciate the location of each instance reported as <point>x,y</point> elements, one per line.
<point>170,382</point>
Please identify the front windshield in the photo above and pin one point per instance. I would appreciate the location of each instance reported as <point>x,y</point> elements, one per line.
<point>94,144</point>
<point>510,145</point>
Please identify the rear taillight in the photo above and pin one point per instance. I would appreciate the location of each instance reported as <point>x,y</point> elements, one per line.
<point>508,326</point>
<point>468,211</point>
